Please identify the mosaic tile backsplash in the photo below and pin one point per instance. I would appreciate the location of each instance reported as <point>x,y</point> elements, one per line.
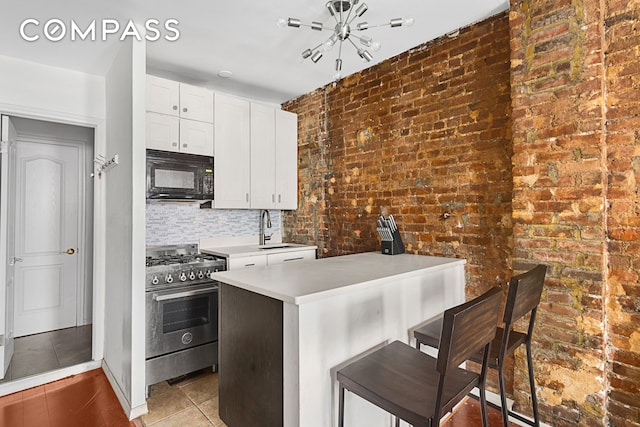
<point>177,223</point>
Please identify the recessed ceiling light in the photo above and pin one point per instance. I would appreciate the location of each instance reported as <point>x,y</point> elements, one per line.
<point>225,74</point>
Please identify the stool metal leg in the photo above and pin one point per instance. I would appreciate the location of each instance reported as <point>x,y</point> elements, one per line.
<point>532,385</point>
<point>503,393</point>
<point>341,407</point>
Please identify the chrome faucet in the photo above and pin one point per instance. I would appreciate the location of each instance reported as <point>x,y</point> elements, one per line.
<point>263,236</point>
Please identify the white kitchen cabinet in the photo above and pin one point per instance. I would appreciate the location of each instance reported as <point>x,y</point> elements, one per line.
<point>256,148</point>
<point>196,103</point>
<point>196,137</point>
<point>286,155</point>
<point>179,99</point>
<point>163,96</point>
<point>179,117</point>
<point>282,257</point>
<point>163,132</point>
<point>232,162</point>
<point>263,156</point>
<point>247,262</point>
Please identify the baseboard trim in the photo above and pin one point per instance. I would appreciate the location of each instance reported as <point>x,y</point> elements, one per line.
<point>21,384</point>
<point>131,413</point>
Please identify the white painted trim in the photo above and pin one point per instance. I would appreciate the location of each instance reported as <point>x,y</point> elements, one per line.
<point>126,406</point>
<point>47,377</point>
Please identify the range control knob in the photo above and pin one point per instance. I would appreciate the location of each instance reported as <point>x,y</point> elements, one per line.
<point>208,274</point>
<point>192,276</point>
<point>169,278</point>
<point>155,280</point>
<point>183,277</point>
<point>200,275</point>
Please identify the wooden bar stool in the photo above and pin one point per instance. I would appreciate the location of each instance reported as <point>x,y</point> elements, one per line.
<point>523,298</point>
<point>418,388</point>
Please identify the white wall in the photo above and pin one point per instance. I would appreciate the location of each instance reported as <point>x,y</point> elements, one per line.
<point>124,201</point>
<point>40,91</point>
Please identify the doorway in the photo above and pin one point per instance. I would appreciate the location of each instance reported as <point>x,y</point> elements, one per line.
<point>53,246</point>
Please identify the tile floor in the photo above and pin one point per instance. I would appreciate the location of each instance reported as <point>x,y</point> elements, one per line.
<point>194,403</point>
<point>35,354</point>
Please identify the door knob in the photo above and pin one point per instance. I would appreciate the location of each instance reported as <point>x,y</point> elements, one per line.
<point>69,251</point>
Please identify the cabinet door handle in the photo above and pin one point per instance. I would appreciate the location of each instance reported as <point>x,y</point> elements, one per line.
<point>293,259</point>
<point>185,145</point>
<point>246,197</point>
<point>184,110</point>
<point>273,198</point>
<point>174,144</point>
<point>279,198</point>
<point>175,107</point>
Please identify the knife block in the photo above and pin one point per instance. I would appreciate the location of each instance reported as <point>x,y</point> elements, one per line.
<point>395,246</point>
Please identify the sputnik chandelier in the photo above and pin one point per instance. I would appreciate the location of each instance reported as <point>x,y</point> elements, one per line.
<point>344,14</point>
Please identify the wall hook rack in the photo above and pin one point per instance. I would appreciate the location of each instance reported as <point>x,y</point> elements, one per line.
<point>105,165</point>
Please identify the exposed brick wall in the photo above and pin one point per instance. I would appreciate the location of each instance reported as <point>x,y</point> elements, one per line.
<point>559,198</point>
<point>424,133</point>
<point>537,166</point>
<point>622,18</point>
<point>310,223</point>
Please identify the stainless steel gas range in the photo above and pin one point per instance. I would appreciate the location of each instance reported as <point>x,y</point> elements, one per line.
<point>181,302</point>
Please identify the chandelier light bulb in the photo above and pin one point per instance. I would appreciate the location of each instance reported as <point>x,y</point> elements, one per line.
<point>408,22</point>
<point>281,22</point>
<point>316,56</point>
<point>375,46</point>
<point>332,8</point>
<point>362,26</point>
<point>361,10</point>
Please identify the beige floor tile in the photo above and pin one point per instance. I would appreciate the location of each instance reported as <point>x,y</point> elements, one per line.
<point>202,389</point>
<point>159,388</point>
<point>163,405</point>
<point>191,417</point>
<point>210,409</point>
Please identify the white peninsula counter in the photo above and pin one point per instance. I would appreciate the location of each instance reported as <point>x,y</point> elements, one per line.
<point>285,330</point>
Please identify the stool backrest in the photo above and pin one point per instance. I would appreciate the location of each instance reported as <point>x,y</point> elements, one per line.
<point>524,293</point>
<point>468,328</point>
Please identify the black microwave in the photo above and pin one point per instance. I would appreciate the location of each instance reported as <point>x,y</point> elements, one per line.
<point>179,176</point>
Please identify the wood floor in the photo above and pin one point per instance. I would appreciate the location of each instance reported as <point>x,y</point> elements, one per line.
<point>87,400</point>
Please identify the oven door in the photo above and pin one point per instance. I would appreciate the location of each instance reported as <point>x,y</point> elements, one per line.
<point>181,318</point>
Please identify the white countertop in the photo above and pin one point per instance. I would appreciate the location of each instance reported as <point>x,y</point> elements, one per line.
<point>307,281</point>
<point>249,250</point>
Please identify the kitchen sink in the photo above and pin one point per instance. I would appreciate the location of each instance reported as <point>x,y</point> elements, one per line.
<point>275,246</point>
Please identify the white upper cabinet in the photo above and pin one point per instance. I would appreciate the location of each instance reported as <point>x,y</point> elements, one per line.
<point>163,96</point>
<point>196,103</point>
<point>196,137</point>
<point>232,162</point>
<point>163,132</point>
<point>263,156</point>
<point>256,148</point>
<point>179,117</point>
<point>286,155</point>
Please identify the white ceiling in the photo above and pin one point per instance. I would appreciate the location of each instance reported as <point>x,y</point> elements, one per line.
<point>236,35</point>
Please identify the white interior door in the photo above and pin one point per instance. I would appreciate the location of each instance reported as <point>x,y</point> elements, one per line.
<point>7,242</point>
<point>47,232</point>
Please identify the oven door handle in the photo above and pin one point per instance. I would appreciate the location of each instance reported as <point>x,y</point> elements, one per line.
<point>189,293</point>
